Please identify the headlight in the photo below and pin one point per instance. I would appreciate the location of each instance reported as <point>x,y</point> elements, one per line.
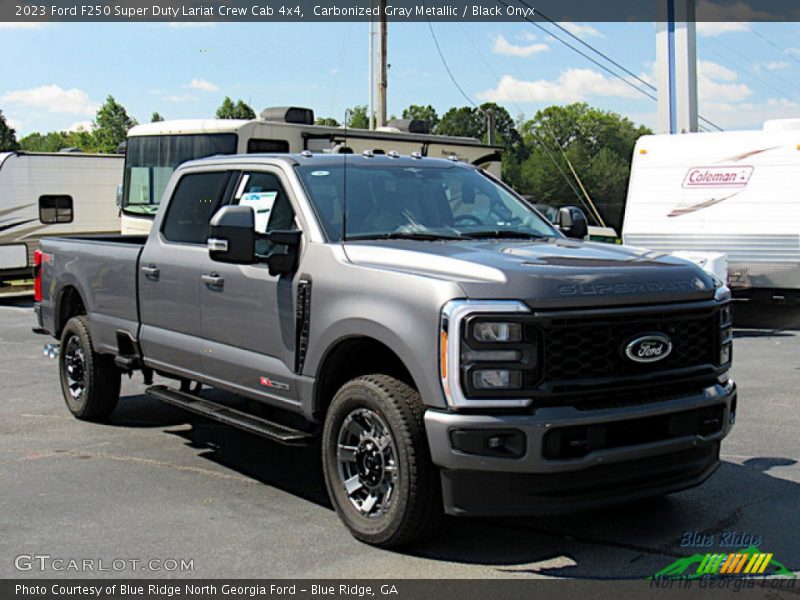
<point>491,331</point>
<point>485,356</point>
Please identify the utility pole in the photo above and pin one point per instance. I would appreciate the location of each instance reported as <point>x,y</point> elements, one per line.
<point>371,70</point>
<point>383,67</point>
<point>676,66</point>
<point>491,127</point>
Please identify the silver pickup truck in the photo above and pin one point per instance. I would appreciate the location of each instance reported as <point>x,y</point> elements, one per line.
<point>451,350</point>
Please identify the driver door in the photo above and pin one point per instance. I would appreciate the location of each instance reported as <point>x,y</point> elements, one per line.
<point>247,314</point>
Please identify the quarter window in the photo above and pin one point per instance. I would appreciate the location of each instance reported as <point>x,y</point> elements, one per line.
<point>193,203</point>
<point>55,209</point>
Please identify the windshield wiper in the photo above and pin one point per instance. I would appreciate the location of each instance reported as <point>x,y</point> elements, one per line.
<point>405,235</point>
<point>504,233</point>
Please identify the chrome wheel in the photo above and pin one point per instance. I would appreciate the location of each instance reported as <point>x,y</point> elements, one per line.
<point>367,459</point>
<point>75,367</point>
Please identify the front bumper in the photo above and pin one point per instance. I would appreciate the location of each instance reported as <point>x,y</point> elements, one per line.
<point>533,483</point>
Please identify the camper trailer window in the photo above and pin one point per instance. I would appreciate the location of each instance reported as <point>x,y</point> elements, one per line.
<point>55,209</point>
<point>256,146</point>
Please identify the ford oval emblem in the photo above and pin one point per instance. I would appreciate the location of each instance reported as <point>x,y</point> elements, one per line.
<point>649,348</point>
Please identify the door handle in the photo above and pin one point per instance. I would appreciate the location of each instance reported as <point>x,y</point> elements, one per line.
<point>151,272</point>
<point>213,280</point>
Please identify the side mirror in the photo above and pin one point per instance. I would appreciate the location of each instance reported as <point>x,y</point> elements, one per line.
<point>572,222</point>
<point>119,197</point>
<point>232,235</point>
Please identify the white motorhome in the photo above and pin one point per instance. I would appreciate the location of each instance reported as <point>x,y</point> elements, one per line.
<point>733,192</point>
<point>154,150</point>
<point>53,194</point>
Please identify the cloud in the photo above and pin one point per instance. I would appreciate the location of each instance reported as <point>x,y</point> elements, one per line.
<point>777,65</point>
<point>579,29</point>
<point>528,36</point>
<point>506,48</point>
<point>730,13</point>
<point>179,98</point>
<point>27,25</point>
<point>572,85</point>
<point>80,125</point>
<point>718,83</point>
<point>714,29</point>
<point>54,99</point>
<point>202,85</point>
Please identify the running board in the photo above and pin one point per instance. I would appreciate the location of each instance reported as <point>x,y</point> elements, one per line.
<point>230,416</point>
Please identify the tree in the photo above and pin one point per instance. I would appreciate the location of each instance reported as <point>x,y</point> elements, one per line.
<point>240,110</point>
<point>327,121</point>
<point>111,126</point>
<point>464,121</point>
<point>423,113</point>
<point>156,118</point>
<point>359,119</point>
<point>49,142</point>
<point>598,144</point>
<point>8,136</point>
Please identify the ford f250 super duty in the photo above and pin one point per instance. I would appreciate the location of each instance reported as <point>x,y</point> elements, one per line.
<point>451,350</point>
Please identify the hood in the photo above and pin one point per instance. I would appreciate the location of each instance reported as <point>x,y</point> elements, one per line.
<point>547,273</point>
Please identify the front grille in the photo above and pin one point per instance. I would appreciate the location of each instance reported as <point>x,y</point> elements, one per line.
<point>594,347</point>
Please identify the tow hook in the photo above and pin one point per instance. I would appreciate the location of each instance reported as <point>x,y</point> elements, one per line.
<point>52,350</point>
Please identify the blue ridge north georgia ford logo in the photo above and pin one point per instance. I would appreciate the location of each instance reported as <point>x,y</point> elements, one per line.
<point>649,347</point>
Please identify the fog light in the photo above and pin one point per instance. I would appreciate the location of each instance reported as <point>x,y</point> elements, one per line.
<point>487,331</point>
<point>496,379</point>
<point>723,379</point>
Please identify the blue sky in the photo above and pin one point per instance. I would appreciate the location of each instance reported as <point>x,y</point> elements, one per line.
<point>58,73</point>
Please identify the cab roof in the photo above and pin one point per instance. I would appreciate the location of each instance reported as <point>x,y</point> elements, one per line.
<point>355,160</point>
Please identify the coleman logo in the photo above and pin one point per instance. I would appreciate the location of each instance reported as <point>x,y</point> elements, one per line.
<point>717,177</point>
<point>649,348</point>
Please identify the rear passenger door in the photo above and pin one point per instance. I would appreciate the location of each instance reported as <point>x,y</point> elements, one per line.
<point>170,270</point>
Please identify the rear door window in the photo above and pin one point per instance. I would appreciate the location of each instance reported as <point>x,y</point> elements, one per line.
<point>195,200</point>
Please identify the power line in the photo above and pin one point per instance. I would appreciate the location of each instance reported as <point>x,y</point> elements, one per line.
<point>596,62</point>
<point>783,51</point>
<point>447,67</point>
<point>592,211</point>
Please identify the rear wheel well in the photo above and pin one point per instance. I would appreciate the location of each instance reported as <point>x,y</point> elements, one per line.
<point>70,304</point>
<point>352,358</point>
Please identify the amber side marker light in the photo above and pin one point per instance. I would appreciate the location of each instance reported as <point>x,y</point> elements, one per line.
<point>443,355</point>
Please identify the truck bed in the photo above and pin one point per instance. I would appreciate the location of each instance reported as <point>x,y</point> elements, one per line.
<point>103,270</point>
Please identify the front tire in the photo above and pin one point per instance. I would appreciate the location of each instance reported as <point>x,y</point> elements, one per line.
<point>376,462</point>
<point>90,381</point>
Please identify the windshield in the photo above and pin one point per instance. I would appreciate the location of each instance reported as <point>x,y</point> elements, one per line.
<point>424,202</point>
<point>150,161</point>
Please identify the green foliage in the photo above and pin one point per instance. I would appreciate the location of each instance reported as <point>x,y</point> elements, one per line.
<point>599,144</point>
<point>359,119</point>
<point>424,113</point>
<point>156,118</point>
<point>464,121</point>
<point>240,110</point>
<point>8,136</point>
<point>111,126</point>
<point>327,121</point>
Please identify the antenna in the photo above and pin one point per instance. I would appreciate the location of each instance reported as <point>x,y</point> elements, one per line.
<point>344,178</point>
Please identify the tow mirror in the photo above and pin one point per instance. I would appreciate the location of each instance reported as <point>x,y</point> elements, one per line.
<point>232,235</point>
<point>232,238</point>
<point>572,222</point>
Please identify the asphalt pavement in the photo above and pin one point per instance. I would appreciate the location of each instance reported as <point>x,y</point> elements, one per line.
<point>158,487</point>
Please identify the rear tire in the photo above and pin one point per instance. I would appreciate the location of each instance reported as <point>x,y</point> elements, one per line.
<point>90,381</point>
<point>376,462</point>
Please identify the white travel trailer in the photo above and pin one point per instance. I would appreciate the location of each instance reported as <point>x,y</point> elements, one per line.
<point>154,150</point>
<point>52,194</point>
<point>733,192</point>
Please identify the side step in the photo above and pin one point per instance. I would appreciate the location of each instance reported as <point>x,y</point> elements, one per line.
<point>230,416</point>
